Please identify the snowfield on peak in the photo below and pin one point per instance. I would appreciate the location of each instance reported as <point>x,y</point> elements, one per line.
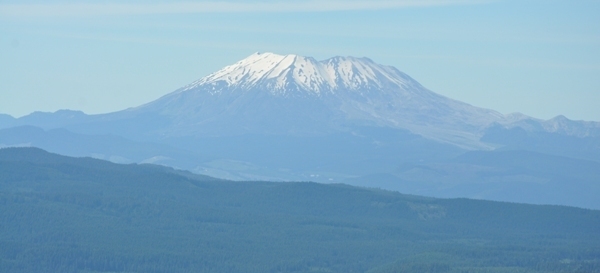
<point>281,74</point>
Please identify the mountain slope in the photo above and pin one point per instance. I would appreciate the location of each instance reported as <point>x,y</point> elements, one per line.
<point>6,120</point>
<point>61,214</point>
<point>509,176</point>
<point>109,147</point>
<point>269,93</point>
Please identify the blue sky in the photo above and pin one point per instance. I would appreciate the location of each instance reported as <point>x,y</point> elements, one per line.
<point>541,58</point>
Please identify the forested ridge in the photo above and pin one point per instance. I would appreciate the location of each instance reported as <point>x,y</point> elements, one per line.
<point>61,214</point>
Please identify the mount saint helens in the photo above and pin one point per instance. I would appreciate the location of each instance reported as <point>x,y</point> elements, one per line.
<point>344,119</point>
<point>269,93</point>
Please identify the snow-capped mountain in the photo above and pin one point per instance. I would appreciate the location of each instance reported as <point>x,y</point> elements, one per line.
<point>344,119</point>
<point>271,94</point>
<point>286,75</point>
<point>290,94</point>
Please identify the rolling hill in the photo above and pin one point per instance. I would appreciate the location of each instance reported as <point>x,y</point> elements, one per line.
<point>63,214</point>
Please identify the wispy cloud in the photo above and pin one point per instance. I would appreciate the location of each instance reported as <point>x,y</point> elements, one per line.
<point>96,9</point>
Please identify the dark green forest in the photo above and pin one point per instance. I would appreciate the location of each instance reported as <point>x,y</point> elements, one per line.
<point>62,214</point>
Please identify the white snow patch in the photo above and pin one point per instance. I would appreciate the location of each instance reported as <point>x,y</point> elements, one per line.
<point>279,72</point>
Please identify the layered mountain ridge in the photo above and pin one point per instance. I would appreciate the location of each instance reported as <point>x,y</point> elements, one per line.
<point>341,120</point>
<point>296,95</point>
<point>64,214</point>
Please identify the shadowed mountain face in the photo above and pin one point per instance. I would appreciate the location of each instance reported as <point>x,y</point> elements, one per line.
<point>344,119</point>
<point>64,214</point>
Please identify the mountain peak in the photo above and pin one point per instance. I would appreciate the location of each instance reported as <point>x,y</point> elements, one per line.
<point>293,94</point>
<point>285,74</point>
